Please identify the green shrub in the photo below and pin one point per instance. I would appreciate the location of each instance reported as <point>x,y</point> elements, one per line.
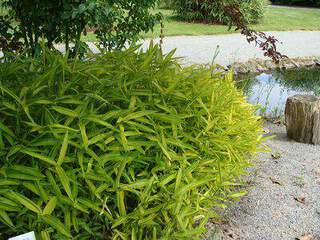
<point>65,21</point>
<point>214,11</point>
<point>124,145</point>
<point>166,4</point>
<point>308,3</point>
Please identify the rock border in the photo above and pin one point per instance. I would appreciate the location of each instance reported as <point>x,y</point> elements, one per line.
<point>259,65</point>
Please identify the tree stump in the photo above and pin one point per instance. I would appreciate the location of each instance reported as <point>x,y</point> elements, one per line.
<point>302,118</point>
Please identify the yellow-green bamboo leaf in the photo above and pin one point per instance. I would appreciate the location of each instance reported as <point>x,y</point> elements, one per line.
<point>45,235</point>
<point>5,218</point>
<point>178,180</point>
<point>39,156</point>
<point>4,182</point>
<point>64,148</point>
<point>56,224</point>
<point>123,138</point>
<point>50,206</point>
<point>64,180</point>
<point>121,203</point>
<point>26,202</point>
<point>6,129</point>
<point>75,220</point>
<point>65,111</point>
<point>97,138</point>
<point>135,115</point>
<point>84,135</point>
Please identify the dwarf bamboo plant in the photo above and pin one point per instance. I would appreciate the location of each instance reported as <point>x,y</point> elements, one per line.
<point>126,145</point>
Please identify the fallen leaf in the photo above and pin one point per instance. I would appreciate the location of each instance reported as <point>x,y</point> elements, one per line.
<point>276,215</point>
<point>316,172</point>
<point>300,199</point>
<point>305,237</point>
<point>275,181</point>
<point>276,155</point>
<point>220,222</point>
<point>278,121</point>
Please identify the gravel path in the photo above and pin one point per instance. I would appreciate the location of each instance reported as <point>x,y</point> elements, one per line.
<point>284,195</point>
<point>234,47</point>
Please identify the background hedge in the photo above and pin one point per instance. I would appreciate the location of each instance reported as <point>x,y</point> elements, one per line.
<point>208,11</point>
<point>309,3</point>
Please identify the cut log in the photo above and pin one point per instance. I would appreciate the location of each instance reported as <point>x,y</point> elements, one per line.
<point>302,118</point>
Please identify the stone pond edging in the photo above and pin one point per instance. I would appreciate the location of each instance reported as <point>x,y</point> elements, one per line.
<point>260,65</point>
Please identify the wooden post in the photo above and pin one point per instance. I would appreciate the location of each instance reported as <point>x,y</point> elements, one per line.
<point>302,118</point>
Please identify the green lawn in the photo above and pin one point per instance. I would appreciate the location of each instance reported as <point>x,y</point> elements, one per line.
<point>277,19</point>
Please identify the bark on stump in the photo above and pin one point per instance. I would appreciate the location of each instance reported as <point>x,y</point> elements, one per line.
<point>302,117</point>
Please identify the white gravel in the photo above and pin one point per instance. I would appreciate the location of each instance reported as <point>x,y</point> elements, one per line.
<point>235,48</point>
<point>232,47</point>
<point>283,202</point>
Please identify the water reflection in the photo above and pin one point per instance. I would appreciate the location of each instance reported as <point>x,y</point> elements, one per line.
<point>271,90</point>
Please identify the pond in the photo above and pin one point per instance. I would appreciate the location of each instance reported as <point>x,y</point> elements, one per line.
<point>270,90</point>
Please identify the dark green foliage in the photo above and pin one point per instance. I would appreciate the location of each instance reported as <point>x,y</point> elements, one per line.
<point>166,4</point>
<point>64,21</point>
<point>209,11</point>
<point>308,3</point>
<point>124,145</point>
<point>304,79</point>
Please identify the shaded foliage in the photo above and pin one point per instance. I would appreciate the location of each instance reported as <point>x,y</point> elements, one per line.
<point>308,3</point>
<point>115,23</point>
<point>65,21</point>
<point>212,11</point>
<point>303,79</point>
<point>166,4</point>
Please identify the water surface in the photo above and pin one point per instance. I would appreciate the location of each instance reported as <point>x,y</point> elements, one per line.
<point>271,90</point>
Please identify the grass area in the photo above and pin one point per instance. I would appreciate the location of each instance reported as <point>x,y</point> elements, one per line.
<point>277,19</point>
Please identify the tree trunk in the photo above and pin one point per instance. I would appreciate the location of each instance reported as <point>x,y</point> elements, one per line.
<point>302,118</point>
